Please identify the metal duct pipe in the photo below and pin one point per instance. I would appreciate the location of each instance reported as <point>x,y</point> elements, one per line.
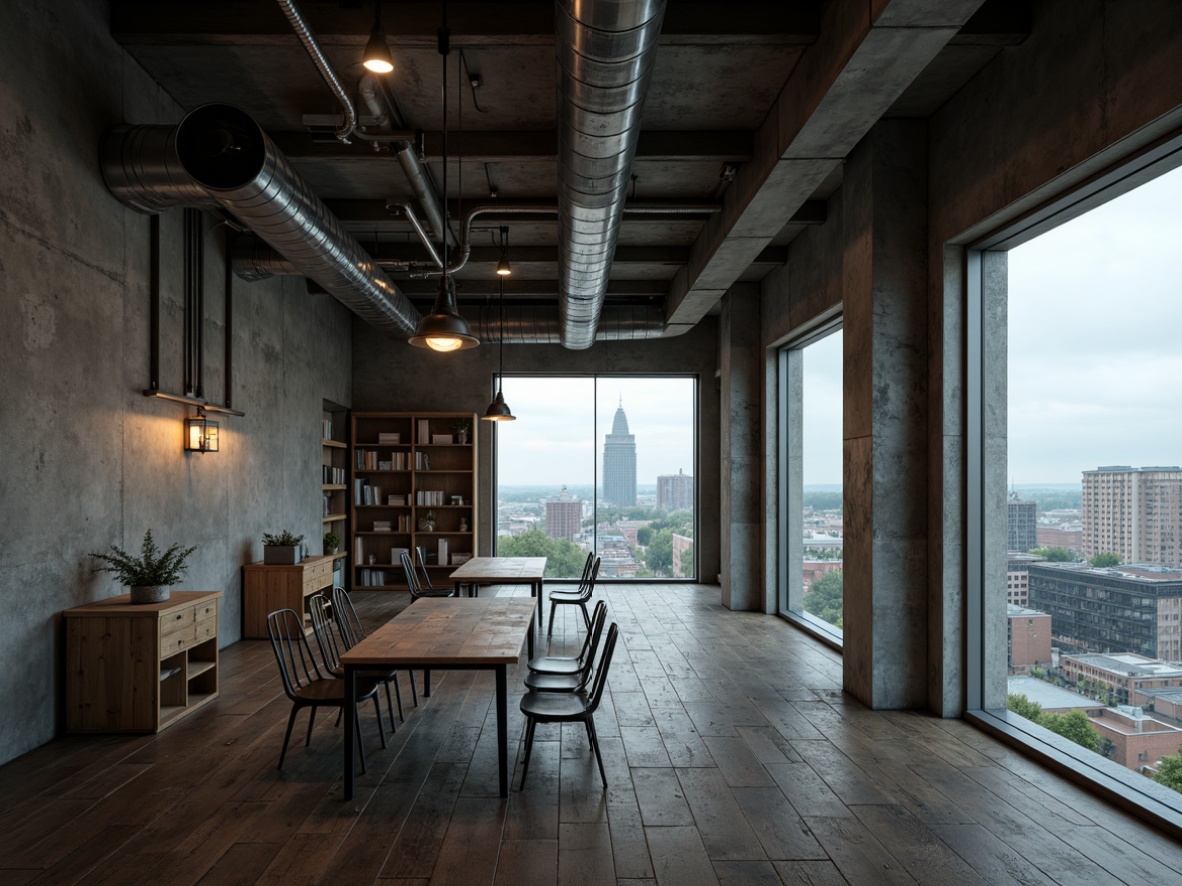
<point>542,324</point>
<point>606,50</point>
<point>317,54</point>
<point>227,160</point>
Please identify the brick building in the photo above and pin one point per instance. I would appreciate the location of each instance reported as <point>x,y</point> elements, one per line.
<point>1029,636</point>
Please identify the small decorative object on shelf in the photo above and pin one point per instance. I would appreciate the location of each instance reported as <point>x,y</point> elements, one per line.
<point>462,427</point>
<point>150,575</point>
<point>427,522</point>
<point>281,549</point>
<point>332,542</point>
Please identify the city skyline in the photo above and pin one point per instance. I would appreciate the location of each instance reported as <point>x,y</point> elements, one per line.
<point>558,436</point>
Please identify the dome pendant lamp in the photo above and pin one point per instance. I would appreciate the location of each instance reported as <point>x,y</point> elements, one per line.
<point>377,58</point>
<point>444,329</point>
<point>498,409</point>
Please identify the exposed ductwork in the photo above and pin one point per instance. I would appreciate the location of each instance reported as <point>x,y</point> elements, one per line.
<point>218,156</point>
<point>606,50</point>
<point>542,325</point>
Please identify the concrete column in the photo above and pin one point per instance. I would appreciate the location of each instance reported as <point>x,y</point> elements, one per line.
<point>740,451</point>
<point>885,416</point>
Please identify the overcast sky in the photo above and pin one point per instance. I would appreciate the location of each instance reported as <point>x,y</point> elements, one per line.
<point>1095,339</point>
<point>561,423</point>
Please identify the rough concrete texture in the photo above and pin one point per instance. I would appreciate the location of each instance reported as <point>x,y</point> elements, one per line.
<point>885,382</point>
<point>89,461</point>
<point>741,458</point>
<point>391,376</point>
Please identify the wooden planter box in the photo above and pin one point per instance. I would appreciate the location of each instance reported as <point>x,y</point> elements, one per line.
<point>281,555</point>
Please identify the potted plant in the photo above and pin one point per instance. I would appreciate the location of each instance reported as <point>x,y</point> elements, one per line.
<point>462,427</point>
<point>281,549</point>
<point>332,542</point>
<point>427,522</point>
<point>148,576</point>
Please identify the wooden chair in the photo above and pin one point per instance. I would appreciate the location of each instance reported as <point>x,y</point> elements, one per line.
<point>307,684</point>
<point>352,632</point>
<point>571,679</point>
<point>576,598</point>
<point>570,707</point>
<point>331,639</point>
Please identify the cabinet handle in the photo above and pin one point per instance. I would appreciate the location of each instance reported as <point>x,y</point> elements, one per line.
<point>179,617</point>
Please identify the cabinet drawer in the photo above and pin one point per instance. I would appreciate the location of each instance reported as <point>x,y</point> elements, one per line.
<point>178,639</point>
<point>175,621</point>
<point>318,576</point>
<point>206,629</point>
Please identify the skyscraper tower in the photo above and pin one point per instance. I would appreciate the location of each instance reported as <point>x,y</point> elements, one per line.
<point>619,463</point>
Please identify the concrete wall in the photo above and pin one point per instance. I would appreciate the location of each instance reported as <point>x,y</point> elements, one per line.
<point>392,376</point>
<point>88,461</point>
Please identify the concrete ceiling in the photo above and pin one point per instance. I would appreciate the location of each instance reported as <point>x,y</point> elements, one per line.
<point>752,108</point>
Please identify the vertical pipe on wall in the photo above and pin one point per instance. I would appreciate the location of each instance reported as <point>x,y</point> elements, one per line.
<point>154,303</point>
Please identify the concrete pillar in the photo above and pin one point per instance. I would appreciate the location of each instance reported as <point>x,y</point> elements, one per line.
<point>885,416</point>
<point>741,363</point>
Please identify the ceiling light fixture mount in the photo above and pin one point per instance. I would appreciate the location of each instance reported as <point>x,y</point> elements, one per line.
<point>377,58</point>
<point>444,329</point>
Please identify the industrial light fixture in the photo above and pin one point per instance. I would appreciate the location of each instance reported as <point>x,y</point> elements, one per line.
<point>444,329</point>
<point>503,268</point>
<point>201,434</point>
<point>377,56</point>
<point>498,409</point>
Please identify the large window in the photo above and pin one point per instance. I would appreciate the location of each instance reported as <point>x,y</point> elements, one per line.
<point>811,483</point>
<point>603,463</point>
<point>1090,597</point>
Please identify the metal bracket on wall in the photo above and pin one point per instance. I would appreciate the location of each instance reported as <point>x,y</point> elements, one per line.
<point>194,363</point>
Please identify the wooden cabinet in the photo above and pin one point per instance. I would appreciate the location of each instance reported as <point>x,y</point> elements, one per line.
<point>140,667</point>
<point>266,588</point>
<point>413,485</point>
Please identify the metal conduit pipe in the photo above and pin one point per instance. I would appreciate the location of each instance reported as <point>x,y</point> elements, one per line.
<point>606,50</point>
<point>296,19</point>
<point>219,156</point>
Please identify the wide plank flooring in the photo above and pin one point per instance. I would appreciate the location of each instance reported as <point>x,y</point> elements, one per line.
<point>732,756</point>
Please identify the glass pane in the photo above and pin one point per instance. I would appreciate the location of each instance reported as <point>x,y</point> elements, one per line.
<point>1094,583</point>
<point>646,511</point>
<point>546,472</point>
<point>821,447</point>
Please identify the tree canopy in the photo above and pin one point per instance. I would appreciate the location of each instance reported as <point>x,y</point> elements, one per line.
<point>1074,725</point>
<point>659,555</point>
<point>1054,555</point>
<point>564,558</point>
<point>1105,559</point>
<point>822,501</point>
<point>1169,772</point>
<point>825,598</point>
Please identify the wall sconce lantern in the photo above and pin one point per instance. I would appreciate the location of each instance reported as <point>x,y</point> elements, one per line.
<point>201,434</point>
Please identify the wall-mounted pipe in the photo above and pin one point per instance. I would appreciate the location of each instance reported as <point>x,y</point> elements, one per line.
<point>219,156</point>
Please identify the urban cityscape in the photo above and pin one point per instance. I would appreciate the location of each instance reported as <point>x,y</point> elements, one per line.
<point>638,529</point>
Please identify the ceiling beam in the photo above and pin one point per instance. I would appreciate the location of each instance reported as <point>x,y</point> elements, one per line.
<point>410,23</point>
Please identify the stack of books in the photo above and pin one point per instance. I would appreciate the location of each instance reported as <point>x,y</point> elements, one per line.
<point>388,438</point>
<point>381,526</point>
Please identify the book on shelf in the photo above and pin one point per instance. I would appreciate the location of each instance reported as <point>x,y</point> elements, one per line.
<point>442,559</point>
<point>326,429</point>
<point>396,555</point>
<point>333,476</point>
<point>382,525</point>
<point>365,493</point>
<point>424,431</point>
<point>389,438</point>
<point>371,578</point>
<point>422,461</point>
<point>404,523</point>
<point>442,439</point>
<point>396,500</point>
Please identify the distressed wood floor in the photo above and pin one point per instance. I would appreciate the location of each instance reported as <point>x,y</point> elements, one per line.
<point>732,755</point>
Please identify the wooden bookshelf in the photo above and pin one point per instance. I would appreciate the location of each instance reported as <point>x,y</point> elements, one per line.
<point>334,485</point>
<point>404,470</point>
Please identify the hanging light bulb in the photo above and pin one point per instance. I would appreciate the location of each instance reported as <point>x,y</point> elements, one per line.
<point>498,409</point>
<point>377,56</point>
<point>444,329</point>
<point>503,265</point>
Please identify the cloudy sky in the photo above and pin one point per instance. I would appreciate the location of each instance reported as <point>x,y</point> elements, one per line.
<point>1095,367</point>
<point>1095,339</point>
<point>561,423</point>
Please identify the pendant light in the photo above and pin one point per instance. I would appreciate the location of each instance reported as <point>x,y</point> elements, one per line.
<point>498,410</point>
<point>503,269</point>
<point>377,58</point>
<point>444,329</point>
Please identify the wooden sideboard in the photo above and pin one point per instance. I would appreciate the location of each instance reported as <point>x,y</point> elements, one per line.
<point>266,588</point>
<point>140,667</point>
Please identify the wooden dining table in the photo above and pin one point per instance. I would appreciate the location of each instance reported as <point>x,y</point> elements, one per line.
<point>502,571</point>
<point>445,633</point>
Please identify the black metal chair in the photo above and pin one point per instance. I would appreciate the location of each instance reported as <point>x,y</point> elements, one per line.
<point>568,664</point>
<point>352,632</point>
<point>576,598</point>
<point>331,639</point>
<point>416,586</point>
<point>424,576</point>
<point>307,684</point>
<point>570,707</point>
<point>571,679</point>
